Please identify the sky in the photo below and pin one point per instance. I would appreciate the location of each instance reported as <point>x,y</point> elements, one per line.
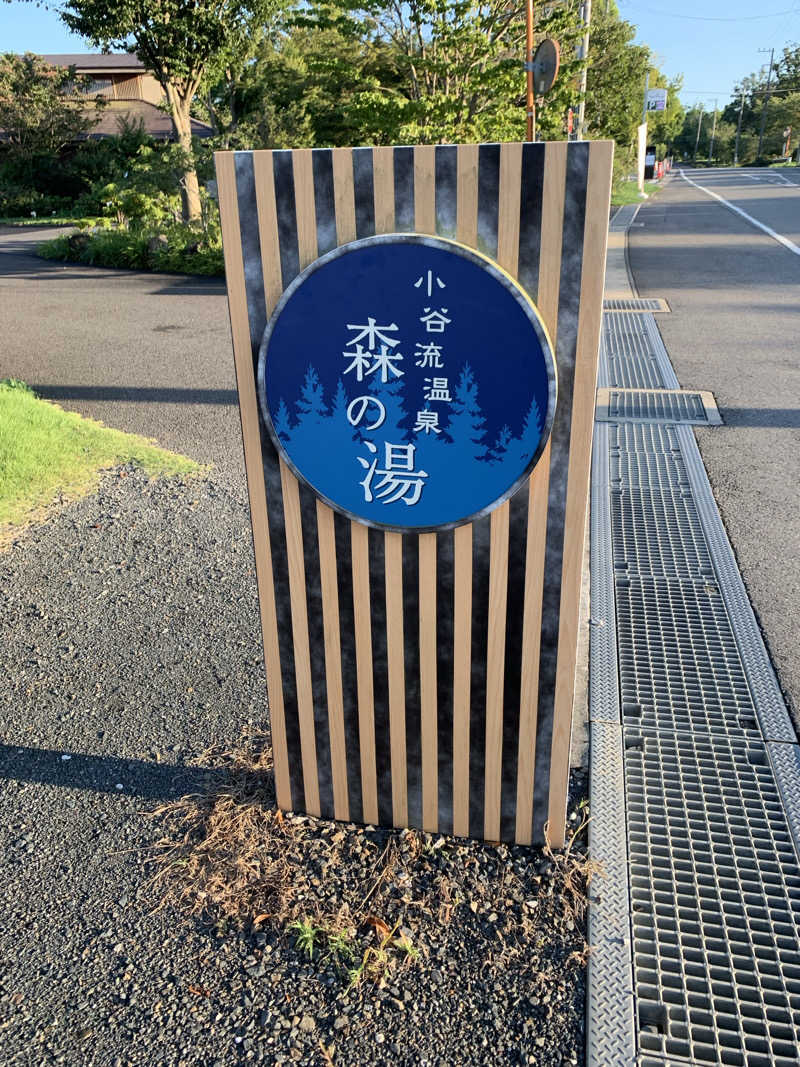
<point>711,43</point>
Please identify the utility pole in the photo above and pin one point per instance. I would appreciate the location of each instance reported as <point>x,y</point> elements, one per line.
<point>587,18</point>
<point>646,87</point>
<point>531,102</point>
<point>738,132</point>
<point>697,139</point>
<point>713,135</point>
<point>766,99</point>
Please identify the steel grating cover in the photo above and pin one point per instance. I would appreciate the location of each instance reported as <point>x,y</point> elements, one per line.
<point>679,663</point>
<point>654,304</point>
<point>772,713</point>
<point>631,361</point>
<point>657,531</point>
<point>657,405</point>
<point>715,888</point>
<point>652,469</point>
<point>635,437</point>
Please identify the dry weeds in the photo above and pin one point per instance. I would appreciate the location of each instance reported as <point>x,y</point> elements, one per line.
<point>229,857</point>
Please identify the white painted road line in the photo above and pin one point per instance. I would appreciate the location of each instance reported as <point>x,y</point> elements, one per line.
<point>792,247</point>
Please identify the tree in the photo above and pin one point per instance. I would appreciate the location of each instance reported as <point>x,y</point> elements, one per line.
<point>310,407</point>
<point>177,41</point>
<point>444,70</point>
<point>467,426</point>
<point>42,108</point>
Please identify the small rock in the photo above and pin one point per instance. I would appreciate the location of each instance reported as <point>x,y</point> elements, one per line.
<point>308,1023</point>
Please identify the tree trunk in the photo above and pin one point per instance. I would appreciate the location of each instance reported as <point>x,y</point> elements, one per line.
<point>190,187</point>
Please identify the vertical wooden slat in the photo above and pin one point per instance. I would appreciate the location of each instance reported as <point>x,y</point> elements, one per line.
<point>302,653</point>
<point>425,189</point>
<point>343,195</point>
<point>393,548</point>
<point>248,407</point>
<point>508,217</point>
<point>462,644</point>
<point>425,222</point>
<point>304,199</point>
<point>467,234</point>
<point>428,680</point>
<point>326,543</point>
<point>507,257</point>
<point>539,489</point>
<point>589,321</point>
<point>383,181</point>
<point>467,195</point>
<point>366,707</point>
<point>267,228</point>
<point>333,659</point>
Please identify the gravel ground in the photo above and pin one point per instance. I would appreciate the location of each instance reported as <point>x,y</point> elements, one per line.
<point>130,642</point>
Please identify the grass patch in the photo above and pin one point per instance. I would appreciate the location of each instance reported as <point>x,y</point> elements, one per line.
<point>47,452</point>
<point>628,193</point>
<point>178,250</point>
<point>48,220</point>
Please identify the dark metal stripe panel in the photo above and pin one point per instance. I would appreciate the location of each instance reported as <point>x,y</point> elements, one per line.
<point>251,249</point>
<point>364,192</point>
<point>380,675</point>
<point>316,640</point>
<point>488,197</point>
<point>569,300</point>
<point>444,676</point>
<point>412,677</point>
<point>404,189</point>
<point>530,216</point>
<point>347,639</point>
<point>256,306</point>
<point>446,190</point>
<point>283,171</point>
<point>481,534</point>
<point>322,163</point>
<point>515,605</point>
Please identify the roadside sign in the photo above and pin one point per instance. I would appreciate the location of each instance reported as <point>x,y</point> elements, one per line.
<point>376,296</point>
<point>408,381</point>
<point>656,99</point>
<point>545,66</point>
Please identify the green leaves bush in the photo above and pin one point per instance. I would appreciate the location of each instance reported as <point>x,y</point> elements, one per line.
<point>186,251</point>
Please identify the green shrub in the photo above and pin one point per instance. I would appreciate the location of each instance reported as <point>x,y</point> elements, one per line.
<point>184,251</point>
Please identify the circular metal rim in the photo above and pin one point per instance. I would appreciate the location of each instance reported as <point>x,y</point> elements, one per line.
<point>556,55</point>
<point>479,259</point>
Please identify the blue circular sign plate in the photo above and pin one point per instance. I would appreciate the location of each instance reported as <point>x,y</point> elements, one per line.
<point>408,381</point>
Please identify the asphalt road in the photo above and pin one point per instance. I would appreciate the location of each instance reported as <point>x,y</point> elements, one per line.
<point>734,292</point>
<point>148,353</point>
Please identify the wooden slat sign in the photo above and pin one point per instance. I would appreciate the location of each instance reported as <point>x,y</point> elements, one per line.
<point>420,663</point>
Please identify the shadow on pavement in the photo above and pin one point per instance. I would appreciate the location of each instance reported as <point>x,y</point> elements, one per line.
<point>787,418</point>
<point>102,774</point>
<point>136,394</point>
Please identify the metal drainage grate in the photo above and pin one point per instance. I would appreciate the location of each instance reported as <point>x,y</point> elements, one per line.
<point>628,355</point>
<point>662,469</point>
<point>679,663</point>
<point>657,531</point>
<point>637,437</point>
<point>652,304</point>
<point>715,887</point>
<point>657,405</point>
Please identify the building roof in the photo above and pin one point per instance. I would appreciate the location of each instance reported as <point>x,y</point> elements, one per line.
<point>96,61</point>
<point>157,123</point>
